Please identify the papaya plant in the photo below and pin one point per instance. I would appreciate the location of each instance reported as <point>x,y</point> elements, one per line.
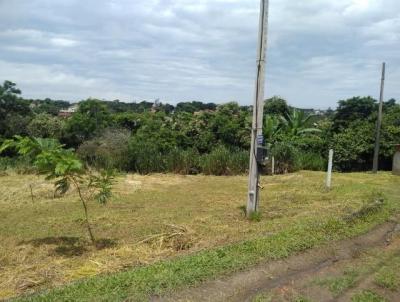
<point>64,168</point>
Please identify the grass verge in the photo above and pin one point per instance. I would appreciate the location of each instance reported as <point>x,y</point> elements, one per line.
<point>165,276</point>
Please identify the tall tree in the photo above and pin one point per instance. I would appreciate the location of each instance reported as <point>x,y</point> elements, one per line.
<point>14,111</point>
<point>276,106</point>
<point>349,110</point>
<point>92,117</point>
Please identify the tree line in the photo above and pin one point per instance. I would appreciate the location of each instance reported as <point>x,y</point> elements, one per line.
<point>196,137</point>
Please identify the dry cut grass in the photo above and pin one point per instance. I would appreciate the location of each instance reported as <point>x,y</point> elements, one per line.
<point>44,244</point>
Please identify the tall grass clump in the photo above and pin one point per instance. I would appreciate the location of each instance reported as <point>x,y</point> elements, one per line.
<point>108,151</point>
<point>20,165</point>
<point>5,162</point>
<point>146,157</point>
<point>285,156</point>
<point>222,161</point>
<point>310,161</point>
<point>238,161</point>
<point>183,161</point>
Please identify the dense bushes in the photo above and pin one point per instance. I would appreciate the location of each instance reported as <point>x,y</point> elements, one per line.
<point>118,150</point>
<point>147,158</point>
<point>311,161</point>
<point>108,151</point>
<point>222,161</point>
<point>46,126</point>
<point>183,161</point>
<point>193,137</point>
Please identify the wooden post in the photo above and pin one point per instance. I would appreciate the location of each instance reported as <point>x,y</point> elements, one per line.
<point>30,186</point>
<point>375,165</point>
<point>329,173</point>
<point>258,108</point>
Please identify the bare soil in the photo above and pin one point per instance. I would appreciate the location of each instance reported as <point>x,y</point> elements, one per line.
<point>298,278</point>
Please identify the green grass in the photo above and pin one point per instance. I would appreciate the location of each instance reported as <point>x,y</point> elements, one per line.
<point>339,284</point>
<point>165,276</point>
<point>367,296</point>
<point>297,214</point>
<point>301,299</point>
<point>388,276</point>
<point>387,279</point>
<point>371,268</point>
<point>262,298</point>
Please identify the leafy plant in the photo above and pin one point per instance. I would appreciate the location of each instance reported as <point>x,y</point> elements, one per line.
<point>296,123</point>
<point>64,167</point>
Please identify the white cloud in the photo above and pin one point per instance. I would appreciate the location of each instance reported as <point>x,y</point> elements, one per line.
<point>63,42</point>
<point>319,50</point>
<point>39,79</point>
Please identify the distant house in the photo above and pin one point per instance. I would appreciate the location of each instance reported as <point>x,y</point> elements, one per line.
<point>68,112</point>
<point>319,112</point>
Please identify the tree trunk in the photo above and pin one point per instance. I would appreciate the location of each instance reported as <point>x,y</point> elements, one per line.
<point>86,213</point>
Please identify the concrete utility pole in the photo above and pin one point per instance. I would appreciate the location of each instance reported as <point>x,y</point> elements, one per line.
<point>379,123</point>
<point>258,108</point>
<point>329,173</point>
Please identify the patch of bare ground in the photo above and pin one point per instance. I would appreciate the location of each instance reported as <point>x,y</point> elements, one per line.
<point>337,272</point>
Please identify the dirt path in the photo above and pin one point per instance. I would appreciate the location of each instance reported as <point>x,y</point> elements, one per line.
<point>338,272</point>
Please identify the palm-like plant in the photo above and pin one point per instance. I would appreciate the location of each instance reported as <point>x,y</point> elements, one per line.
<point>295,123</point>
<point>272,127</point>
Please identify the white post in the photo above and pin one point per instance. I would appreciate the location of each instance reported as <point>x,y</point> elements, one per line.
<point>329,174</point>
<point>273,165</point>
<point>258,108</point>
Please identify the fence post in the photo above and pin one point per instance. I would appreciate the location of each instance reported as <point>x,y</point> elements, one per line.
<point>329,174</point>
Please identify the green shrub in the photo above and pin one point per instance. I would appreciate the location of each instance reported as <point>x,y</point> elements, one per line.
<point>5,162</point>
<point>20,165</point>
<point>145,157</point>
<point>239,161</point>
<point>222,161</point>
<point>109,151</point>
<point>310,161</point>
<point>285,157</point>
<point>183,161</point>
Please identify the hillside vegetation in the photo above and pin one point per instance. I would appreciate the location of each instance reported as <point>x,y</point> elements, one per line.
<point>196,137</point>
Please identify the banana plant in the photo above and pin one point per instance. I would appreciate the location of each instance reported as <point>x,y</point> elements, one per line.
<point>295,123</point>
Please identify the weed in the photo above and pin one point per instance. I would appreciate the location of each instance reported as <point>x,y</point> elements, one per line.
<point>339,284</point>
<point>301,299</point>
<point>367,296</point>
<point>387,278</point>
<point>243,209</point>
<point>255,216</point>
<point>262,298</point>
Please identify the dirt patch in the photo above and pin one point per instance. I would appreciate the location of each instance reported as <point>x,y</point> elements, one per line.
<point>289,279</point>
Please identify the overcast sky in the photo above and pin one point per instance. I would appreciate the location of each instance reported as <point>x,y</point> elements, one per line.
<point>319,51</point>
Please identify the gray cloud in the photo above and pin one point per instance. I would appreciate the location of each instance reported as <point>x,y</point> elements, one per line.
<point>175,50</point>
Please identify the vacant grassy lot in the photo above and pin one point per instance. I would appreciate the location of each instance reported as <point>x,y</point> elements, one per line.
<point>44,243</point>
